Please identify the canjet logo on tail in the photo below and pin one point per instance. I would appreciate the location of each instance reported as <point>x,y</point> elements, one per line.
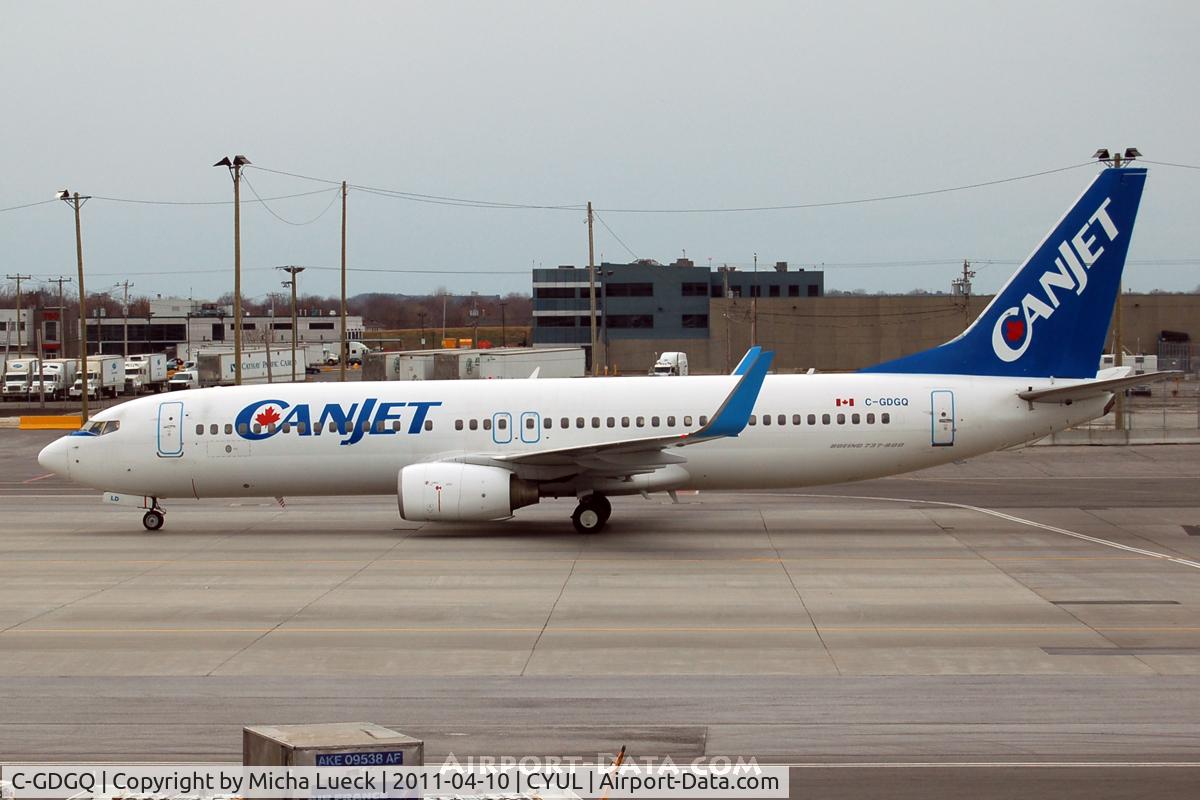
<point>262,419</point>
<point>1013,332</point>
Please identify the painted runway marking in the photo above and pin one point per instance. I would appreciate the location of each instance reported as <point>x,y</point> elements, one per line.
<point>1010,518</point>
<point>39,478</point>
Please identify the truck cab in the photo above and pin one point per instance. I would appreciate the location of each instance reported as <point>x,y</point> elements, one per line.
<point>669,364</point>
<point>19,375</point>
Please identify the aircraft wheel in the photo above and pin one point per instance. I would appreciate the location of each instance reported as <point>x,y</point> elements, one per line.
<point>153,520</point>
<point>602,505</point>
<point>589,516</point>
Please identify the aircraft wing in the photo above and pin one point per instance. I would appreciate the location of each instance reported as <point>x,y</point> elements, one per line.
<point>648,453</point>
<point>1090,389</point>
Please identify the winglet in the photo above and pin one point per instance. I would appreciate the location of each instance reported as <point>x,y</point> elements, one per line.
<point>734,414</point>
<point>747,361</point>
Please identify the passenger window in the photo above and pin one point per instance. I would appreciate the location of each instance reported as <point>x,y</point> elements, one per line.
<point>595,422</point>
<point>257,428</point>
<point>703,420</point>
<point>812,419</point>
<point>641,422</point>
<point>687,421</point>
<point>753,420</point>
<point>458,426</point>
<point>766,419</point>
<point>366,425</point>
<point>396,425</point>
<point>841,419</point>
<point>334,427</point>
<point>228,428</point>
<point>428,424</point>
<point>302,427</point>
<point>654,422</point>
<point>487,424</point>
<point>271,428</point>
<point>547,422</point>
<point>529,423</point>
<point>579,422</point>
<point>854,418</point>
<point>566,422</point>
<point>870,419</point>
<point>502,423</point>
<point>782,420</point>
<point>243,428</point>
<point>885,418</point>
<point>824,419</point>
<point>214,429</point>
<point>287,427</point>
<point>624,422</point>
<point>670,422</point>
<point>473,424</point>
<point>200,430</point>
<point>611,422</point>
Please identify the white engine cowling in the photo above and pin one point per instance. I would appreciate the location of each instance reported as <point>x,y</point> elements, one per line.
<point>448,492</point>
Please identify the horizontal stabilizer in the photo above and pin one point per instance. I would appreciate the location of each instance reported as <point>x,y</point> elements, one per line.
<point>1090,389</point>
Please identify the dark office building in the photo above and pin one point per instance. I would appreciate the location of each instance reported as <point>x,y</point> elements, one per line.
<point>648,300</point>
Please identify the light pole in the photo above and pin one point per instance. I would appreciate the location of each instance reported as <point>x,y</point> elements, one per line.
<point>235,171</point>
<point>293,271</point>
<point>76,202</point>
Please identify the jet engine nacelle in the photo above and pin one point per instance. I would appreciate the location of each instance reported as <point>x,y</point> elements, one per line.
<point>448,492</point>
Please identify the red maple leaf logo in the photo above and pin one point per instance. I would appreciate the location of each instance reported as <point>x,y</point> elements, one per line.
<point>268,416</point>
<point>1014,330</point>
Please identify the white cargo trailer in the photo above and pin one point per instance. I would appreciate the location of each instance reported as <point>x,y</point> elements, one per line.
<point>216,367</point>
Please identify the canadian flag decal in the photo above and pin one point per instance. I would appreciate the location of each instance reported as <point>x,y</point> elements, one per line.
<point>842,401</point>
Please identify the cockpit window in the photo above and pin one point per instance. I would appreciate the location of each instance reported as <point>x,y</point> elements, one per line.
<point>100,427</point>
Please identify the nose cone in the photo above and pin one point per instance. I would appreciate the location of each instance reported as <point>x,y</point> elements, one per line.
<point>55,457</point>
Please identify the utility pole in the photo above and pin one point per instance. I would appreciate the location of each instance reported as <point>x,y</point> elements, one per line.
<point>235,171</point>
<point>421,316</point>
<point>125,314</point>
<point>270,336</point>
<point>18,278</point>
<point>343,356</point>
<point>592,285</point>
<point>77,202</point>
<point>962,286</point>
<point>754,304</point>
<point>504,332</point>
<point>1116,160</point>
<point>62,313</point>
<point>474,315</point>
<point>294,272</point>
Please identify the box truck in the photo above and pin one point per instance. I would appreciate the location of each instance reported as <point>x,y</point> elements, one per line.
<point>106,376</point>
<point>19,376</point>
<point>145,373</point>
<point>216,367</point>
<point>56,379</point>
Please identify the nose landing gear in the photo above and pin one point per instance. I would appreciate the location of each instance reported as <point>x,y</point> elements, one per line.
<point>591,514</point>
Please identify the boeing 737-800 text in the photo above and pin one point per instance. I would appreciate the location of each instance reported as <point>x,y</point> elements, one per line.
<point>455,451</point>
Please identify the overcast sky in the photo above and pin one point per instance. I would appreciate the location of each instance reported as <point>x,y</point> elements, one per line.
<point>629,105</point>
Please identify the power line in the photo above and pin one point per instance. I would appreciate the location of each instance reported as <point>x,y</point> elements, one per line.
<point>1169,164</point>
<point>283,219</point>
<point>29,205</point>
<point>200,202</point>
<point>614,235</point>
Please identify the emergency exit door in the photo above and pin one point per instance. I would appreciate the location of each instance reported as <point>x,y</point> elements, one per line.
<point>942,401</point>
<point>170,430</point>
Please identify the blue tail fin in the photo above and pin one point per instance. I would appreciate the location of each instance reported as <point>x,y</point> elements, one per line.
<point>1052,317</point>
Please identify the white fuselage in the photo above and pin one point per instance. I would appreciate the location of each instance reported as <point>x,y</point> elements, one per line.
<point>188,444</point>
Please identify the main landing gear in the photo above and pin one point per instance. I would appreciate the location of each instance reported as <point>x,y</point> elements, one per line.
<point>154,518</point>
<point>592,513</point>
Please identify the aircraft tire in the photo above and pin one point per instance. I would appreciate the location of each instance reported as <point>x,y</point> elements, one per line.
<point>153,520</point>
<point>588,516</point>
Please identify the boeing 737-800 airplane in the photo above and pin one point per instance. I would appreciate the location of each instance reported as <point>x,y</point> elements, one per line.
<point>455,451</point>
